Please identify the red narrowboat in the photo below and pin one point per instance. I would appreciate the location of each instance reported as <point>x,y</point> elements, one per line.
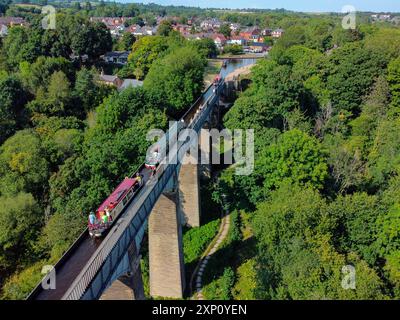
<point>111,208</point>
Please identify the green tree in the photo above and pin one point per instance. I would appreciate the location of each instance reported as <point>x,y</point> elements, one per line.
<point>22,166</point>
<point>14,46</point>
<point>12,100</point>
<point>93,39</point>
<point>144,52</point>
<point>4,6</point>
<point>296,257</point>
<point>394,82</point>
<point>352,71</point>
<point>164,28</point>
<point>88,90</point>
<point>36,76</point>
<point>56,100</point>
<point>355,224</point>
<point>19,225</point>
<point>176,79</point>
<point>206,47</point>
<point>234,49</point>
<point>384,155</point>
<point>127,41</point>
<point>388,244</point>
<point>268,101</point>
<point>296,157</point>
<point>225,29</point>
<point>58,91</point>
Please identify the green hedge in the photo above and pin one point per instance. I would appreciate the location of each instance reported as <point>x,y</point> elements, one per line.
<point>196,240</point>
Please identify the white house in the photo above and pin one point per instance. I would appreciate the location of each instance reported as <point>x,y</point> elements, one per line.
<point>277,33</point>
<point>237,40</point>
<point>211,24</point>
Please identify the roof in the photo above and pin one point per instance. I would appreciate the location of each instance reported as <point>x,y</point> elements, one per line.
<point>218,35</point>
<point>108,78</point>
<point>251,30</point>
<point>11,20</point>
<point>237,38</point>
<point>124,54</point>
<point>130,83</point>
<point>258,44</point>
<point>113,54</point>
<point>118,193</point>
<point>117,54</point>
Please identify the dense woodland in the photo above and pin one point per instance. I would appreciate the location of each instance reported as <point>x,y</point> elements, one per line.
<point>325,106</point>
<point>67,139</point>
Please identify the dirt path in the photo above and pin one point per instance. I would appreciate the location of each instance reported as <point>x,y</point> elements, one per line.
<point>197,276</point>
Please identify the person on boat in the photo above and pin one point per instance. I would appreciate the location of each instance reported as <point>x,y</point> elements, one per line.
<point>108,213</point>
<point>112,205</point>
<point>138,178</point>
<point>156,161</point>
<point>92,218</point>
<point>104,218</point>
<point>156,156</point>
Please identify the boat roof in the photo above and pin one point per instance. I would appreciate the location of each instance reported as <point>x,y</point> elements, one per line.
<point>118,193</point>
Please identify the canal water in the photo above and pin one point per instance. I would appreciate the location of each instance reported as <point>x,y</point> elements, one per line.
<point>234,64</point>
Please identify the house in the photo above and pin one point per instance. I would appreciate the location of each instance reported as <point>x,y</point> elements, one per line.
<point>123,58</point>
<point>117,57</point>
<point>116,31</point>
<point>182,28</point>
<point>235,27</point>
<point>258,47</point>
<point>132,28</point>
<point>219,39</point>
<point>144,31</point>
<point>12,21</point>
<point>198,36</point>
<point>151,31</point>
<point>396,20</point>
<point>237,40</point>
<point>111,21</point>
<point>76,57</point>
<point>385,17</point>
<point>266,32</point>
<point>6,22</point>
<point>250,34</point>
<point>277,33</point>
<point>116,25</point>
<point>110,80</point>
<point>210,24</point>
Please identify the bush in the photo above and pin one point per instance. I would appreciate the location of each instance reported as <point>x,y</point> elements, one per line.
<point>233,49</point>
<point>235,234</point>
<point>196,240</point>
<point>21,284</point>
<point>226,283</point>
<point>246,283</point>
<point>221,289</point>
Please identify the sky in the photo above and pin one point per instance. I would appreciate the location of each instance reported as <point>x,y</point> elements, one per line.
<point>295,5</point>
